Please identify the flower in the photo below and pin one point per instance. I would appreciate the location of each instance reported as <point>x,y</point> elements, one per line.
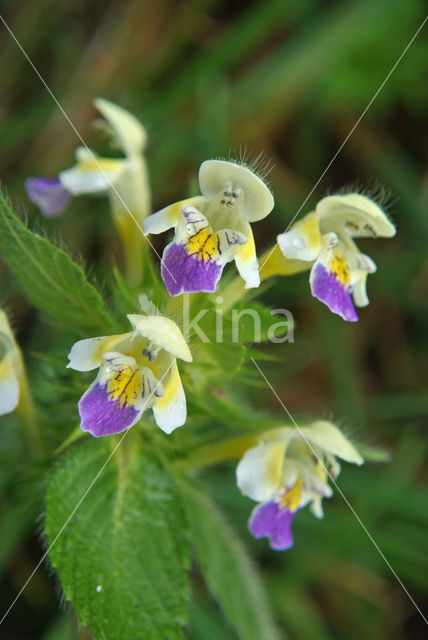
<point>213,229</point>
<point>324,239</point>
<point>11,368</point>
<point>123,179</point>
<point>137,370</point>
<point>288,470</point>
<point>92,174</point>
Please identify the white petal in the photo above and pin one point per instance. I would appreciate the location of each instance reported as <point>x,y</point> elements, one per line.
<point>169,216</point>
<point>6,330</point>
<point>358,261</point>
<point>164,333</point>
<point>259,472</point>
<point>360,266</point>
<point>195,221</point>
<point>316,507</point>
<point>91,174</point>
<point>9,386</point>
<point>88,354</point>
<point>303,241</point>
<point>314,477</point>
<point>329,438</point>
<point>359,291</point>
<point>246,260</point>
<point>170,410</point>
<point>129,131</point>
<point>354,214</point>
<point>218,175</point>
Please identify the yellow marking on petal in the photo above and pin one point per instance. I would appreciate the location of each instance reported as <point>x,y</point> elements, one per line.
<point>340,269</point>
<point>104,346</point>
<point>126,385</point>
<point>204,244</point>
<point>309,228</point>
<point>99,164</point>
<point>171,388</point>
<point>247,250</point>
<point>6,369</point>
<point>174,210</point>
<point>291,498</point>
<point>274,464</point>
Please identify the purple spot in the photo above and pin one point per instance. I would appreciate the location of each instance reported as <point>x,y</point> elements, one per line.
<point>184,273</point>
<point>48,194</point>
<point>269,519</point>
<point>328,289</point>
<point>102,416</point>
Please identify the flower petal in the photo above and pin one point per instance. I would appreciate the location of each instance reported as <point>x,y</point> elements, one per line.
<point>185,272</point>
<point>355,214</point>
<point>169,216</point>
<point>333,289</point>
<point>88,354</point>
<point>170,410</point>
<point>329,438</point>
<point>164,333</point>
<point>269,519</point>
<point>91,174</point>
<point>129,131</point>
<point>218,175</point>
<point>118,397</point>
<point>246,260</point>
<point>48,194</point>
<point>9,386</point>
<point>259,472</point>
<point>303,241</point>
<point>360,266</point>
<point>102,416</point>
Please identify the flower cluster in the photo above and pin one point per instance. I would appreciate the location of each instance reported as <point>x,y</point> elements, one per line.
<point>289,468</point>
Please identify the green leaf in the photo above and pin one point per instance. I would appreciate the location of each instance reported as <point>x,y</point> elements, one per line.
<point>256,323</point>
<point>227,569</point>
<point>123,557</point>
<point>48,276</point>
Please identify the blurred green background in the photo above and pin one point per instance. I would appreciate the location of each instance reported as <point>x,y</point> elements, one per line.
<point>212,78</point>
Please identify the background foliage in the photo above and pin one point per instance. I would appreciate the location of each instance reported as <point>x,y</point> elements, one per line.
<point>211,78</point>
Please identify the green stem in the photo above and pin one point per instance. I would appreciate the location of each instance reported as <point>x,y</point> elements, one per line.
<point>209,455</point>
<point>76,434</point>
<point>134,243</point>
<point>27,415</point>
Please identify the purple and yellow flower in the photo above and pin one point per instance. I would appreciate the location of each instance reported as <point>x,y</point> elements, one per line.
<point>286,471</point>
<point>11,368</point>
<point>137,370</point>
<point>213,229</point>
<point>324,239</point>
